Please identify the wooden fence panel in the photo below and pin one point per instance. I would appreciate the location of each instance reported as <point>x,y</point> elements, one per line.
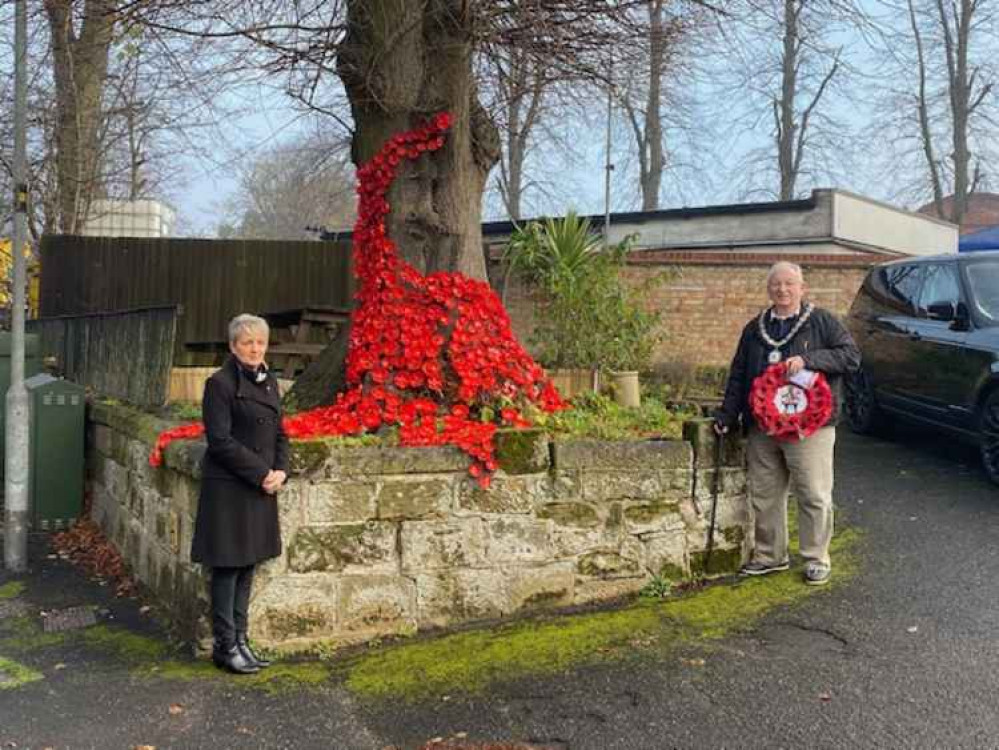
<point>211,280</point>
<point>126,355</point>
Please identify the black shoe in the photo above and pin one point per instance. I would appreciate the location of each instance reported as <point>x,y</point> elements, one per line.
<point>233,660</point>
<point>249,654</point>
<point>762,569</point>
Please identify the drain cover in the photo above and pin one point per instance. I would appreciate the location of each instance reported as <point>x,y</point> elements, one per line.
<point>70,618</point>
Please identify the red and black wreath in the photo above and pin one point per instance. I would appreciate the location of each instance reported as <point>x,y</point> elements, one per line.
<point>790,410</point>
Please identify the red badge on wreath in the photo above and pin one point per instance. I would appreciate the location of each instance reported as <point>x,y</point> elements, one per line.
<point>790,408</point>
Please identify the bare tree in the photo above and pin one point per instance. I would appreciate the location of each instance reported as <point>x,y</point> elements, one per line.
<point>954,96</point>
<point>81,40</point>
<point>287,190</point>
<point>785,71</point>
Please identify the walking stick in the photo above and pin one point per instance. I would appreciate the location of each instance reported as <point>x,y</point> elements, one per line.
<point>715,487</point>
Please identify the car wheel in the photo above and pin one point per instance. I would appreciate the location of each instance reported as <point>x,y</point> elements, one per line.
<point>862,410</point>
<point>989,428</point>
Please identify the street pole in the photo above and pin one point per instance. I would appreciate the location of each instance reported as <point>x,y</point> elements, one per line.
<point>608,166</point>
<point>15,546</point>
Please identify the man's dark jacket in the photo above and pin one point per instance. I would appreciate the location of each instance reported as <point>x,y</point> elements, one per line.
<point>823,342</point>
<point>237,522</point>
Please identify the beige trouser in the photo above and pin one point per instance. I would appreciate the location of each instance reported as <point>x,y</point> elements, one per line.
<point>806,466</point>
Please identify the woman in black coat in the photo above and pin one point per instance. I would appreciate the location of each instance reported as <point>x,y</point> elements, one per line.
<point>244,468</point>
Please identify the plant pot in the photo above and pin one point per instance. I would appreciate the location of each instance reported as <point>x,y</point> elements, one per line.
<point>626,388</point>
<point>573,381</point>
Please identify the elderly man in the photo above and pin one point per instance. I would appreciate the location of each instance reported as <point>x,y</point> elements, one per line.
<point>804,336</point>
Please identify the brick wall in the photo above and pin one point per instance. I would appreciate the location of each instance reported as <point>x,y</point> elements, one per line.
<point>706,300</point>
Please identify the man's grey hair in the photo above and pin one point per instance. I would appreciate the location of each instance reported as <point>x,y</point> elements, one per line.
<point>246,323</point>
<point>783,265</point>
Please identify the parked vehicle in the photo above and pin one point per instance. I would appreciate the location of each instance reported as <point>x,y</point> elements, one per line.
<point>928,330</point>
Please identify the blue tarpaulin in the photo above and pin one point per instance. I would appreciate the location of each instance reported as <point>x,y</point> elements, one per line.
<point>984,239</point>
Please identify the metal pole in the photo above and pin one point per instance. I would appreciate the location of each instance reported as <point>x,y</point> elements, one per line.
<point>16,475</point>
<point>608,166</point>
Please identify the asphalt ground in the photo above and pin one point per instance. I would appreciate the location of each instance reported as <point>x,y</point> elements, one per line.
<point>902,655</point>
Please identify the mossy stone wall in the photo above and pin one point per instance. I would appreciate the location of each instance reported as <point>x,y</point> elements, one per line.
<point>381,540</point>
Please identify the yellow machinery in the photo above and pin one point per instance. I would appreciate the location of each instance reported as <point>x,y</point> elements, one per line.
<point>33,277</point>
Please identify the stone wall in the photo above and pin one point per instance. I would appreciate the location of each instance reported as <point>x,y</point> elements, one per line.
<point>707,299</point>
<point>395,540</point>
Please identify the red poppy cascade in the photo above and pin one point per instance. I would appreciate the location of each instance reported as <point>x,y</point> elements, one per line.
<point>790,410</point>
<point>432,354</point>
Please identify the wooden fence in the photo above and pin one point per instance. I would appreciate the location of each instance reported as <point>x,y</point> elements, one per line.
<point>212,280</point>
<point>126,355</point>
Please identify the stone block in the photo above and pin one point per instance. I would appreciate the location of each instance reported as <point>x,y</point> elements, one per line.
<point>543,587</point>
<point>522,451</point>
<point>185,456</point>
<point>572,542</point>
<point>307,457</point>
<point>373,460</point>
<point>732,483</point>
<point>700,434</point>
<point>377,603</point>
<point>405,499</point>
<point>656,515</point>
<point>518,539</point>
<point>666,555</point>
<point>573,515</point>
<point>506,494</point>
<point>431,545</point>
<point>600,455</point>
<point>348,547</point>
<point>116,482</point>
<point>605,564</point>
<point>446,597</point>
<point>600,590</point>
<point>289,608</point>
<point>564,485</point>
<point>722,561</point>
<point>339,502</point>
<point>102,439</point>
<point>627,485</point>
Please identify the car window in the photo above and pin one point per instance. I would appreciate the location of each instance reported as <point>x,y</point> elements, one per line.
<point>902,284</point>
<point>940,284</point>
<point>983,284</point>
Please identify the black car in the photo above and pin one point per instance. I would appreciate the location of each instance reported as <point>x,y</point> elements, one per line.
<point>928,330</point>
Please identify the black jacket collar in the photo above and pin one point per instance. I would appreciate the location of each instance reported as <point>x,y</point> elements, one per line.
<point>265,393</point>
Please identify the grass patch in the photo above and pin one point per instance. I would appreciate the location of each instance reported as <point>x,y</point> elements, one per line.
<point>129,647</point>
<point>471,661</point>
<point>11,589</point>
<point>14,675</point>
<point>26,634</point>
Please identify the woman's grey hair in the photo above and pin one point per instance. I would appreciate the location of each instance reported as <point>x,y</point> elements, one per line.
<point>783,265</point>
<point>246,323</point>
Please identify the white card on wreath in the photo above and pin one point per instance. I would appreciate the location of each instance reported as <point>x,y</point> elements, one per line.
<point>804,378</point>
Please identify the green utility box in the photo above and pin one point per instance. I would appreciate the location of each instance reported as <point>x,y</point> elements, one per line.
<point>32,366</point>
<point>55,489</point>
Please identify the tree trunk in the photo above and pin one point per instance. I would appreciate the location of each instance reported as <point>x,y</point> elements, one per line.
<point>80,67</point>
<point>786,131</point>
<point>401,63</point>
<point>652,175</point>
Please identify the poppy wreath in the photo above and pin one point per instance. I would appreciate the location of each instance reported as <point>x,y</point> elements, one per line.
<point>432,354</point>
<point>785,410</point>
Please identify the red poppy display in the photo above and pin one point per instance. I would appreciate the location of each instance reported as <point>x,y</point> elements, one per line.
<point>428,353</point>
<point>786,410</point>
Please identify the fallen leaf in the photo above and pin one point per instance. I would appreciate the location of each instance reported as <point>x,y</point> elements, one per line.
<point>693,662</point>
<point>912,629</point>
<point>60,665</point>
<point>144,608</point>
<point>460,735</point>
<point>143,747</point>
<point>825,697</point>
<point>176,709</point>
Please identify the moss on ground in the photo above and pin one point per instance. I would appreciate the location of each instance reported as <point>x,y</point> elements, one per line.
<point>23,634</point>
<point>14,675</point>
<point>11,589</point>
<point>471,661</point>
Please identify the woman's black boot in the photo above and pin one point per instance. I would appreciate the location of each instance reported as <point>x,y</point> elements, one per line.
<point>231,659</point>
<point>244,648</point>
